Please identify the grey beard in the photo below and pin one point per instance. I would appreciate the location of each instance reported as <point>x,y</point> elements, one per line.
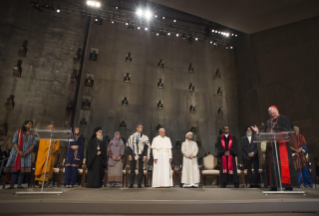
<point>248,133</point>
<point>100,137</point>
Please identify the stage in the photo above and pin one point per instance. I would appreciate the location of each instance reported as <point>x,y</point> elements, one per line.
<point>176,200</point>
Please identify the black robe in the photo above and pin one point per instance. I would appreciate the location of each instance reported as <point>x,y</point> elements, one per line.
<point>225,177</point>
<point>95,163</point>
<point>283,124</point>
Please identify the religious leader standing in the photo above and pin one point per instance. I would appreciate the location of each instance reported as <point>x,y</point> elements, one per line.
<point>96,159</point>
<point>227,152</point>
<point>162,154</point>
<point>44,168</point>
<point>279,123</point>
<point>139,152</point>
<point>190,173</point>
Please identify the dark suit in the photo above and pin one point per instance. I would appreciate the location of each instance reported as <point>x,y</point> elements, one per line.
<point>140,165</point>
<point>249,147</point>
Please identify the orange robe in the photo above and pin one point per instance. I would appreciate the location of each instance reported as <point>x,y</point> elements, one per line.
<point>40,168</point>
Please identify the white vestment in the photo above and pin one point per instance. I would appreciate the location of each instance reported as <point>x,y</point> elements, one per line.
<point>162,172</point>
<point>190,173</point>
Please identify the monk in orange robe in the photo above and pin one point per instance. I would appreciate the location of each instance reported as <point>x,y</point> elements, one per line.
<point>44,169</point>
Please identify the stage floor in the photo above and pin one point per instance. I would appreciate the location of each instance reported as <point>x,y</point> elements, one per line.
<point>175,200</point>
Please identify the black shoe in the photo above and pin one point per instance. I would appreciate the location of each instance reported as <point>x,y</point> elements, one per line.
<point>251,186</point>
<point>257,186</point>
<point>236,185</point>
<point>139,186</point>
<point>289,189</point>
<point>273,189</point>
<point>131,186</point>
<point>222,186</point>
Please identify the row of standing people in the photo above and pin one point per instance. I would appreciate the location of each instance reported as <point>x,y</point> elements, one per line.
<point>294,167</point>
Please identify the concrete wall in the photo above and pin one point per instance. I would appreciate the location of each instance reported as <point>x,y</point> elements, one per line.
<point>43,91</point>
<point>114,41</point>
<point>280,67</point>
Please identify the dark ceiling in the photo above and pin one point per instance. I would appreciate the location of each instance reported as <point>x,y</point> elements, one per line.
<point>249,16</point>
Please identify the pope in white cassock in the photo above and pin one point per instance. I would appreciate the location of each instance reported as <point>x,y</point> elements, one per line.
<point>190,174</point>
<point>162,154</point>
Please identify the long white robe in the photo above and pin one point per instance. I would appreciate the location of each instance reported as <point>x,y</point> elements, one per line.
<point>162,172</point>
<point>190,173</point>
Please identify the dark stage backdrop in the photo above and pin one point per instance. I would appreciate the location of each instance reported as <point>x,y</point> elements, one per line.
<point>44,90</point>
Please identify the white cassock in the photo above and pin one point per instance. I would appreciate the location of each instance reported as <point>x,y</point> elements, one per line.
<point>162,172</point>
<point>190,174</point>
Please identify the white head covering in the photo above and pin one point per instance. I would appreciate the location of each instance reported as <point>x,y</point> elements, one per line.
<point>187,135</point>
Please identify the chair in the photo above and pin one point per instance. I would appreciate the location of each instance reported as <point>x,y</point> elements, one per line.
<point>209,169</point>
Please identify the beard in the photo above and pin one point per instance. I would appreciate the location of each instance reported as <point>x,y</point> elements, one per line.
<point>100,137</point>
<point>249,133</point>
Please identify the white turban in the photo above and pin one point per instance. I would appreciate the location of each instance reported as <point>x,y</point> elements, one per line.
<point>188,134</point>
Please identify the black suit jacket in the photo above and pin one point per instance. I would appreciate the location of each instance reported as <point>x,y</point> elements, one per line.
<point>249,147</point>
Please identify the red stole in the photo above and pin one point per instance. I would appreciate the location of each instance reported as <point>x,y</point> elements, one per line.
<point>17,163</point>
<point>230,168</point>
<point>284,163</point>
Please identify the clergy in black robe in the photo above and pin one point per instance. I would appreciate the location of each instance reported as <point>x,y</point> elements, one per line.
<point>96,159</point>
<point>279,123</point>
<point>227,152</point>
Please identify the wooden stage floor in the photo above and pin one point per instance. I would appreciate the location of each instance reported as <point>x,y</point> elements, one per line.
<point>158,201</point>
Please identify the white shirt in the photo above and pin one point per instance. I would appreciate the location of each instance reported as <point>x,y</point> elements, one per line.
<point>249,139</point>
<point>226,135</point>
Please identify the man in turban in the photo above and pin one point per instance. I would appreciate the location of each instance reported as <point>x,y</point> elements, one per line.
<point>250,151</point>
<point>190,173</point>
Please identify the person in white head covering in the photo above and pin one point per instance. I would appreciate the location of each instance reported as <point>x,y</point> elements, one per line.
<point>162,154</point>
<point>190,173</point>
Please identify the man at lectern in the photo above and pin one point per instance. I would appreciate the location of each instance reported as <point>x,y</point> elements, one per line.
<point>279,123</point>
<point>43,169</point>
<point>227,152</point>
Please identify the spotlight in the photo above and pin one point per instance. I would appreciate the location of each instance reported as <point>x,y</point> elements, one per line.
<point>219,32</point>
<point>157,34</point>
<point>155,16</point>
<point>98,4</point>
<point>175,21</point>
<point>112,22</point>
<point>58,9</point>
<point>138,28</point>
<point>232,34</point>
<point>163,17</point>
<point>177,35</point>
<point>196,39</point>
<point>93,3</point>
<point>231,47</point>
<point>146,29</point>
<point>89,2</point>
<point>148,14</point>
<point>126,23</point>
<point>168,33</point>
<point>227,35</point>
<point>139,12</point>
<point>236,35</point>
<point>213,30</point>
<point>211,42</point>
<point>116,8</point>
<point>216,31</point>
<point>98,21</point>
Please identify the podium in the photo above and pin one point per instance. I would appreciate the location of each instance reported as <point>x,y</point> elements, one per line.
<point>51,135</point>
<point>275,137</point>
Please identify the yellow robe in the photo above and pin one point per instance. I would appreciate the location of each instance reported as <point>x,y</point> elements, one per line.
<point>42,157</point>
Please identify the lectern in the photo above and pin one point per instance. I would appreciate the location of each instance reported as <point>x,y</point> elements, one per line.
<point>275,138</point>
<point>64,135</point>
